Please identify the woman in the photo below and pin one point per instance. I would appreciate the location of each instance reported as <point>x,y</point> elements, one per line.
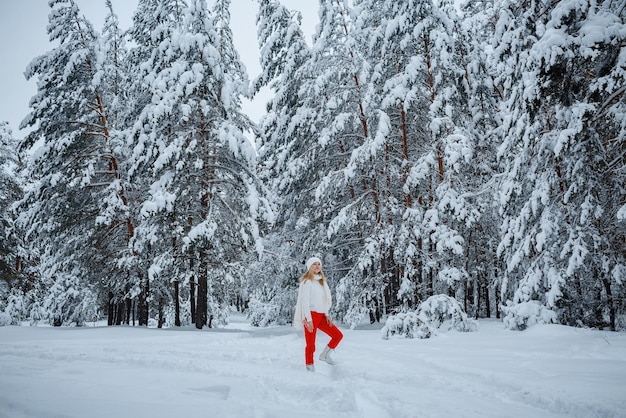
<point>312,308</point>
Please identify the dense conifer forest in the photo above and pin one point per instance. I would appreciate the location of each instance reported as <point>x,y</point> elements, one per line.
<point>474,149</point>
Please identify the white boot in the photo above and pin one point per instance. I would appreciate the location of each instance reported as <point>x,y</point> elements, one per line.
<point>310,368</point>
<point>325,356</point>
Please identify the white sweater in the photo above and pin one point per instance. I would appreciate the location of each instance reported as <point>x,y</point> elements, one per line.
<point>312,296</point>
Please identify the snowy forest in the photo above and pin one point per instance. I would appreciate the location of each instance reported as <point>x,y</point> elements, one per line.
<point>473,149</point>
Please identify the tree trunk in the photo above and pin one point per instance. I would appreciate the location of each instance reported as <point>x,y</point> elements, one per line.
<point>440,163</point>
<point>177,303</point>
<point>143,303</point>
<point>202,299</point>
<point>119,313</point>
<point>476,295</point>
<point>110,310</point>
<point>161,316</point>
<point>420,271</point>
<point>465,294</point>
<point>497,292</point>
<point>431,278</point>
<point>192,292</point>
<point>487,302</point>
<point>192,300</point>
<point>128,304</point>
<point>610,302</point>
<point>408,201</point>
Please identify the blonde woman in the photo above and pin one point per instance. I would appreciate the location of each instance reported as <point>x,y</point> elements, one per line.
<point>314,302</point>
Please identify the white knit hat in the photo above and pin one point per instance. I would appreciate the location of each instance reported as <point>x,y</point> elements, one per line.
<point>312,260</point>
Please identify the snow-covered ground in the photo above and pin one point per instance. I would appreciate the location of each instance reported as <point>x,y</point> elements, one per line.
<point>241,371</point>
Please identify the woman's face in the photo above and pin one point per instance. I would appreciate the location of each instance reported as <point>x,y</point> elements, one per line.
<point>316,267</point>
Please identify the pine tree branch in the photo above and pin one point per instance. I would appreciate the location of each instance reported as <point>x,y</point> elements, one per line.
<point>609,101</point>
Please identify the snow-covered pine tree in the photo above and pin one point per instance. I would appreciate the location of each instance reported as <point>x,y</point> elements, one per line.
<point>114,70</point>
<point>190,144</point>
<point>18,262</point>
<point>364,191</point>
<point>115,78</point>
<point>339,121</point>
<point>282,148</point>
<point>157,239</point>
<point>473,30</point>
<point>439,169</point>
<point>283,52</point>
<point>562,66</point>
<point>247,208</point>
<point>12,262</point>
<point>76,205</point>
<point>309,142</point>
<point>416,109</point>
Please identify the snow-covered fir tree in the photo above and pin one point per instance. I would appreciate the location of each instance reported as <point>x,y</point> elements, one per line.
<point>563,136</point>
<point>17,263</point>
<point>114,76</point>
<point>12,260</point>
<point>75,209</point>
<point>155,24</point>
<point>204,200</point>
<point>282,149</point>
<point>343,196</point>
<point>475,28</point>
<point>412,155</point>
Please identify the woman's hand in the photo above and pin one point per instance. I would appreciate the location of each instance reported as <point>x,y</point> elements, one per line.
<point>329,321</point>
<point>308,325</point>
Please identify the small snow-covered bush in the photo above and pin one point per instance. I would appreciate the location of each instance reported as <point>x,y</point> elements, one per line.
<point>263,314</point>
<point>406,324</point>
<point>69,302</point>
<point>13,312</point>
<point>444,312</point>
<point>36,313</point>
<point>268,307</point>
<point>520,316</point>
<point>218,314</point>
<point>356,314</point>
<point>438,312</point>
<point>5,319</point>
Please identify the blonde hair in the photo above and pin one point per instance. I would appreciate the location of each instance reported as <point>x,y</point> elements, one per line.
<point>308,275</point>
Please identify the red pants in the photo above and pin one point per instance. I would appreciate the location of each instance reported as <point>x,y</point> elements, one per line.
<point>319,322</point>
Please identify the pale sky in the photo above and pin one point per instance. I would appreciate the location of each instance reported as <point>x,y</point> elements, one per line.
<point>23,37</point>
